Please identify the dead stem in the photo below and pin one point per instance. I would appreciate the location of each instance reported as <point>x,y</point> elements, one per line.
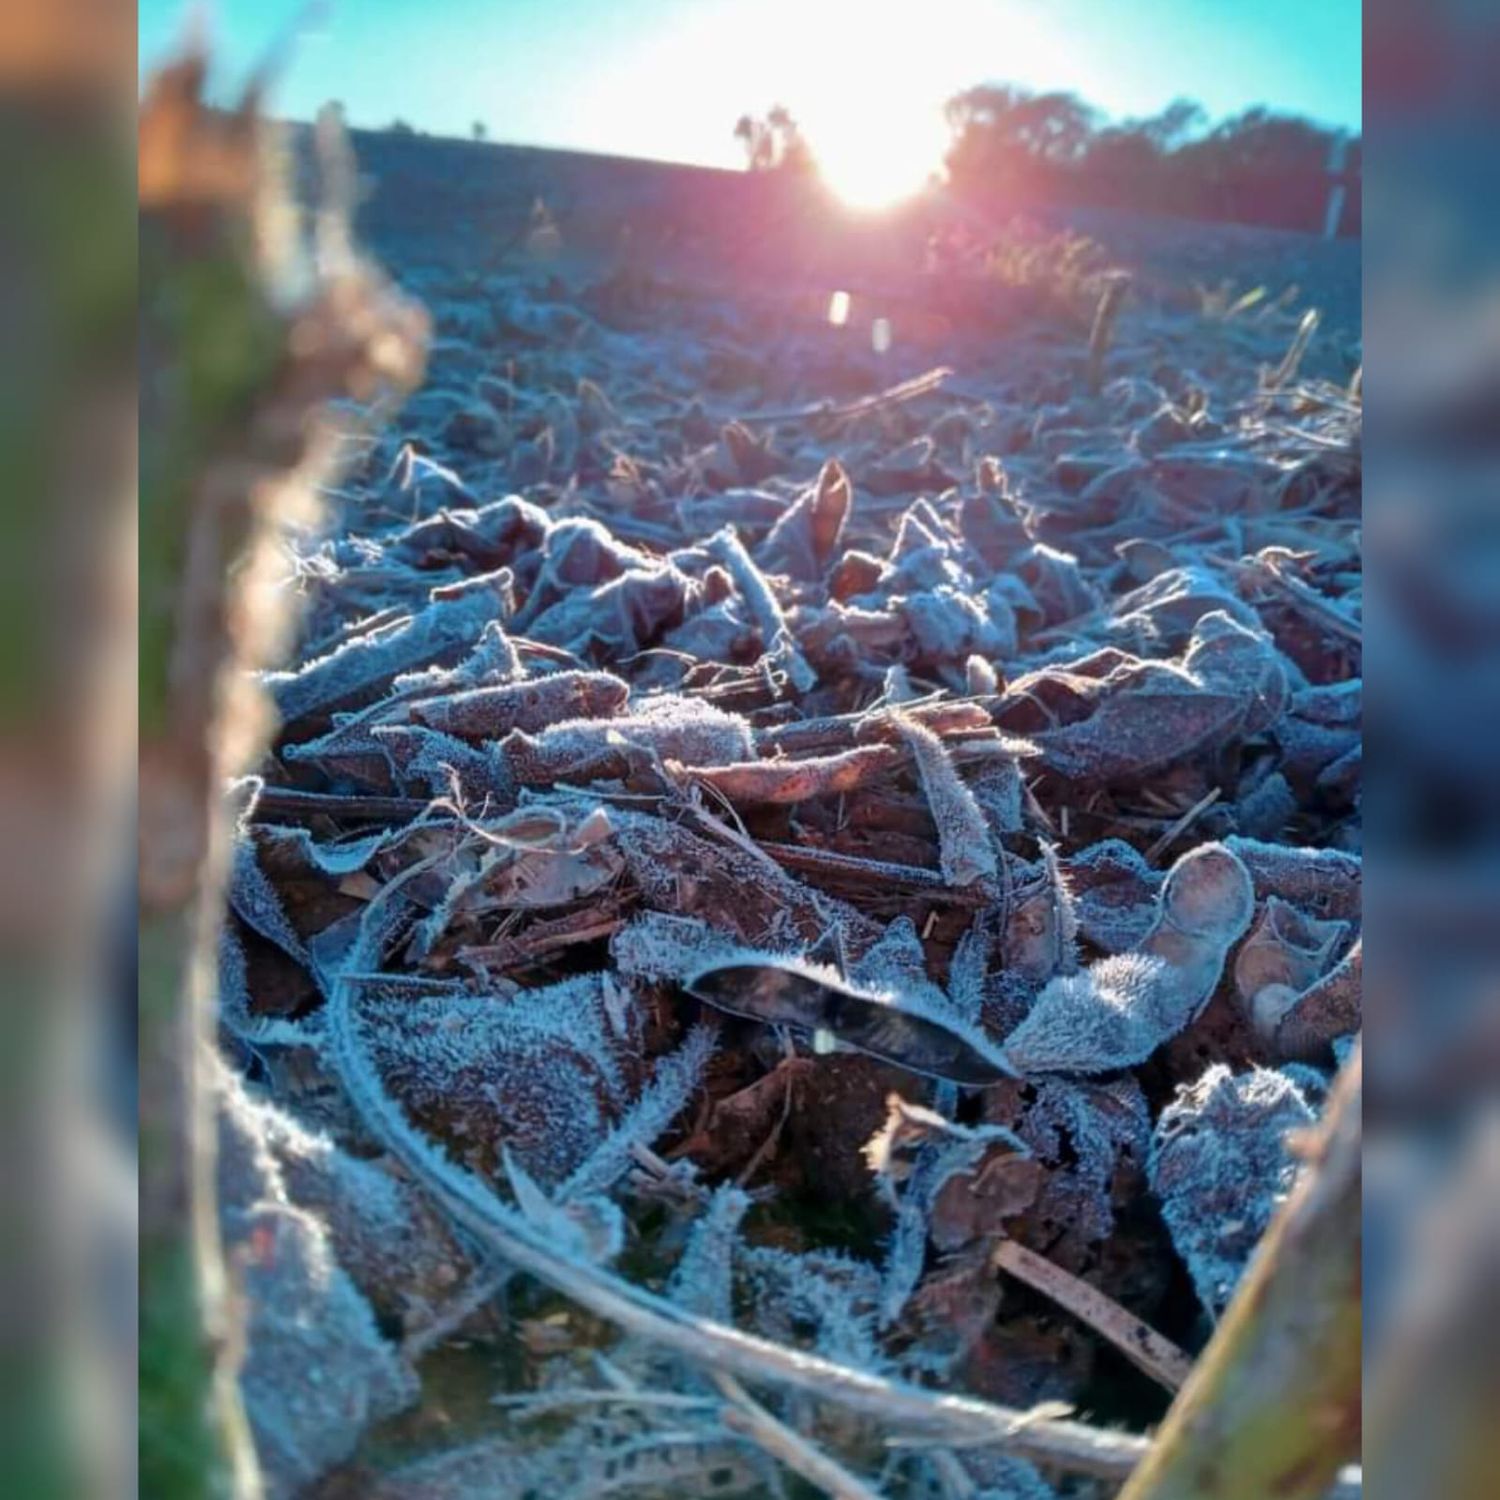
<point>1139,1343</point>
<point>907,390</point>
<point>748,1417</point>
<point>1182,824</point>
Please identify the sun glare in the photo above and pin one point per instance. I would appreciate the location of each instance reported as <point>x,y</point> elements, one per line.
<point>866,86</point>
<point>876,156</point>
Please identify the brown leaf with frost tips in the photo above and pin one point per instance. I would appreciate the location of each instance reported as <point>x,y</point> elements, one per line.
<point>804,539</point>
<point>965,849</point>
<point>973,1207</point>
<point>1330,1008</point>
<point>490,713</point>
<point>1285,953</point>
<point>1111,716</point>
<point>782,782</point>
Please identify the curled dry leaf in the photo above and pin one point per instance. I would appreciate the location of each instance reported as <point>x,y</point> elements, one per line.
<point>491,713</point>
<point>1111,715</point>
<point>1284,955</point>
<point>1118,1011</point>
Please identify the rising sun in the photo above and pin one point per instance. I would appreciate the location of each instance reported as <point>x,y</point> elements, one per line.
<point>877,156</point>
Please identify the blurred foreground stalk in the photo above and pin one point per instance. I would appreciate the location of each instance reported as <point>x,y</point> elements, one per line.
<point>1272,1408</point>
<point>1433,1386</point>
<point>243,343</point>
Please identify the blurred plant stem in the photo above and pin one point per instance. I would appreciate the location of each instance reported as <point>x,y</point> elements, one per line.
<point>67,654</point>
<point>238,360</point>
<point>1434,1383</point>
<point>1272,1407</point>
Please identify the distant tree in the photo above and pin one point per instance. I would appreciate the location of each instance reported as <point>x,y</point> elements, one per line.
<point>772,142</point>
<point>398,126</point>
<point>1257,146</point>
<point>1006,137</point>
<point>1054,127</point>
<point>1258,167</point>
<point>1167,131</point>
<point>985,108</point>
<point>755,138</point>
<point>1132,160</point>
<point>479,130</point>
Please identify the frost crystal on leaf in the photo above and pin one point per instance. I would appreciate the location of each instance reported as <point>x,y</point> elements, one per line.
<point>898,964</point>
<point>677,1075</point>
<point>703,1279</point>
<point>1118,1011</point>
<point>780,645</point>
<point>1220,1165</point>
<point>536,1071</point>
<point>1085,1132</point>
<point>832,1294</point>
<point>256,901</point>
<point>306,1315</point>
<point>657,945</point>
<point>438,632</point>
<point>390,1240</point>
<point>965,848</point>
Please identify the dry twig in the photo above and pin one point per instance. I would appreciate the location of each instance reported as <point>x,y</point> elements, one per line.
<point>1162,1360</point>
<point>747,1416</point>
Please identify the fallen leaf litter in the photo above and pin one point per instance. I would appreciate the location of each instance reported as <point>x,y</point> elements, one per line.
<point>740,870</point>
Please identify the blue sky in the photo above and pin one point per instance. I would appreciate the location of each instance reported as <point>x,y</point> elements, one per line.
<point>668,78</point>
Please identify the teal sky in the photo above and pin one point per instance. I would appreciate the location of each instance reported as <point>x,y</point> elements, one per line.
<point>668,78</point>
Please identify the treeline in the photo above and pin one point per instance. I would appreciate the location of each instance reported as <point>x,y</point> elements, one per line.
<point>1259,167</point>
<point>1013,146</point>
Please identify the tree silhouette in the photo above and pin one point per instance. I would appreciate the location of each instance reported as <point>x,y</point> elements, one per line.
<point>479,130</point>
<point>1181,119</point>
<point>1259,166</point>
<point>772,142</point>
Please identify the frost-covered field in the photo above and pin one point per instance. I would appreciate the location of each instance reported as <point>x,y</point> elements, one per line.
<point>764,825</point>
